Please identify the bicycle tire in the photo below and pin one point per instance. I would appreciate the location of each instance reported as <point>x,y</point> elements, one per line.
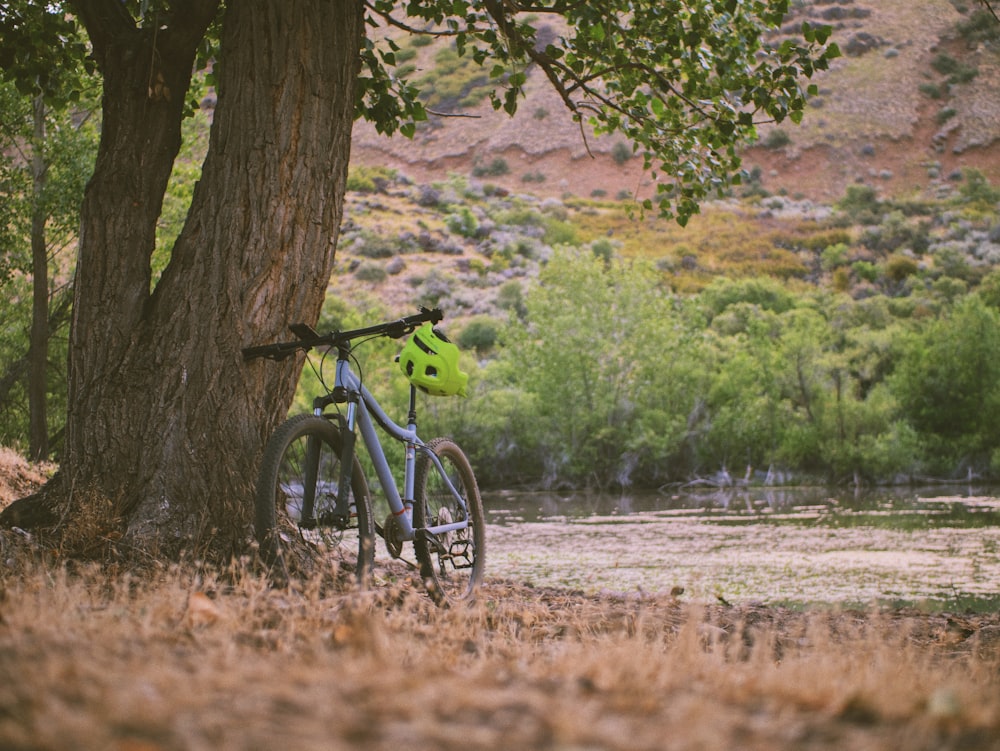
<point>452,570</point>
<point>284,543</point>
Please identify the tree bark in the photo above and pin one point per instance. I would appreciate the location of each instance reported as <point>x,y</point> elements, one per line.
<point>38,346</point>
<point>166,423</point>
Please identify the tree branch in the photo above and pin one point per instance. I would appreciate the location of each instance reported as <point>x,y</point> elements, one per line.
<point>989,7</point>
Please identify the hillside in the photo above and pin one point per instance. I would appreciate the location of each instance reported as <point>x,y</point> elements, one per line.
<point>911,102</point>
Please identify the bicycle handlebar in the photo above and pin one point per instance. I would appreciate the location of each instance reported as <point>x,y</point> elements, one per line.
<point>309,338</point>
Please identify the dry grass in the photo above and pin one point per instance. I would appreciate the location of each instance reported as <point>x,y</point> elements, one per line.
<point>187,658</point>
<point>182,658</point>
<point>19,477</point>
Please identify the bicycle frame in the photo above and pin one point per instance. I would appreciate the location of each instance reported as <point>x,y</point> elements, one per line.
<point>361,407</point>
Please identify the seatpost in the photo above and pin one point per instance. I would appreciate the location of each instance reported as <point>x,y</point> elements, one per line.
<point>411,417</point>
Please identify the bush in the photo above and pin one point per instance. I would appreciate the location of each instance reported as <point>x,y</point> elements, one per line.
<point>434,288</point>
<point>510,297</point>
<point>944,64</point>
<point>370,272</point>
<point>376,246</point>
<point>777,139</point>
<point>463,222</point>
<point>558,232</point>
<point>480,334</point>
<point>976,188</point>
<point>369,179</point>
<point>944,115</point>
<point>980,26</point>
<point>834,256</point>
<point>933,90</point>
<point>865,270</point>
<point>603,249</point>
<point>495,168</point>
<point>861,203</point>
<point>621,153</point>
<point>898,268</point>
<point>956,71</point>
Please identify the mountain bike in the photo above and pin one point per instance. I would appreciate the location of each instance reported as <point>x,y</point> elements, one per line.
<point>312,494</point>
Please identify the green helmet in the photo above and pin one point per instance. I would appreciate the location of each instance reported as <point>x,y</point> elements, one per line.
<point>430,362</point>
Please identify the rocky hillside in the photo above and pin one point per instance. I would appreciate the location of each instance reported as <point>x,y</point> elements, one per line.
<point>912,102</point>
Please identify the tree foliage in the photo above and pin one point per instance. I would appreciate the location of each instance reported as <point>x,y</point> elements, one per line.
<point>47,142</point>
<point>684,82</point>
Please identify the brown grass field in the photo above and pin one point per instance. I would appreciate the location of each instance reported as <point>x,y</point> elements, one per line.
<point>182,657</point>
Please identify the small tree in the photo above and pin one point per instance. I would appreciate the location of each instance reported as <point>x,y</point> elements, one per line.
<point>48,142</point>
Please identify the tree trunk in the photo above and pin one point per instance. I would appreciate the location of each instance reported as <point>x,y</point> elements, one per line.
<point>38,346</point>
<point>166,423</point>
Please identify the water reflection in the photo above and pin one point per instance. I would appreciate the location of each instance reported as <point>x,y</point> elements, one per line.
<point>901,507</point>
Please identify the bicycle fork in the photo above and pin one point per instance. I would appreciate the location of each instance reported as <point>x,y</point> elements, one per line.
<point>340,517</point>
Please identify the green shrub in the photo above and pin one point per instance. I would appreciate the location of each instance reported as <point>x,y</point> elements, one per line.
<point>377,246</point>
<point>558,232</point>
<point>603,249</point>
<point>497,167</point>
<point>899,267</point>
<point>896,232</point>
<point>980,26</point>
<point>520,217</point>
<point>480,334</point>
<point>834,256</point>
<point>463,222</point>
<point>621,152</point>
<point>944,115</point>
<point>405,54</point>
<point>933,90</point>
<point>861,203</point>
<point>510,297</point>
<point>944,64</point>
<point>865,270</point>
<point>976,188</point>
<point>369,179</point>
<point>766,294</point>
<point>777,139</point>
<point>956,71</point>
<point>370,272</point>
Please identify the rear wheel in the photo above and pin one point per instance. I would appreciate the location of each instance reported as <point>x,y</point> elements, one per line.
<point>302,460</point>
<point>451,563</point>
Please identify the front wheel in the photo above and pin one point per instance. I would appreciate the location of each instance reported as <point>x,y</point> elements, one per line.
<point>452,562</point>
<point>302,461</point>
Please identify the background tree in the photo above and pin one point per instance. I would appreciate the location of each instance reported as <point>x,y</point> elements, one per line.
<point>47,143</point>
<point>948,385</point>
<point>165,423</point>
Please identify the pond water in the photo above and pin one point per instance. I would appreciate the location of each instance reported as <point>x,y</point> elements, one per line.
<point>935,546</point>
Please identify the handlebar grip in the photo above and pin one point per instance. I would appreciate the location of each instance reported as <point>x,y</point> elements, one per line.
<point>433,315</point>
